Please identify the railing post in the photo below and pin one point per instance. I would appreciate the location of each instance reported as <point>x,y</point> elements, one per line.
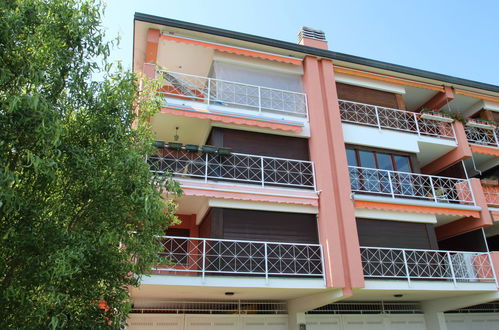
<point>495,137</point>
<point>262,171</point>
<point>323,266</point>
<point>306,105</point>
<point>206,168</point>
<point>454,132</point>
<point>313,175</point>
<point>266,264</point>
<point>260,99</point>
<point>406,267</point>
<point>451,269</point>
<point>415,116</point>
<point>377,117</point>
<point>204,260</point>
<point>433,189</point>
<point>391,184</point>
<point>209,91</point>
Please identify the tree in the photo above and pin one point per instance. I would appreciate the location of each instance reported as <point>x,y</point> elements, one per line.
<point>79,210</point>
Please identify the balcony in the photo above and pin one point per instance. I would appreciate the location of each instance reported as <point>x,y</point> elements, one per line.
<point>482,136</point>
<point>205,256</point>
<point>394,184</point>
<point>410,265</point>
<point>234,97</point>
<point>235,168</point>
<point>491,195</point>
<point>394,119</point>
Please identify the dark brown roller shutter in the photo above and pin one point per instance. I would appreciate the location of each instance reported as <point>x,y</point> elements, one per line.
<point>396,234</point>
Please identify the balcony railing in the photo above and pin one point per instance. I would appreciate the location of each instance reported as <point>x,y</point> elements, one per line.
<point>205,256</point>
<point>456,266</point>
<point>241,168</point>
<point>482,136</point>
<point>410,185</point>
<point>394,119</point>
<point>491,195</point>
<point>258,99</point>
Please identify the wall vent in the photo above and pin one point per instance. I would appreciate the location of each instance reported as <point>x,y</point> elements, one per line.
<point>212,307</point>
<point>492,307</point>
<point>310,33</point>
<point>358,307</point>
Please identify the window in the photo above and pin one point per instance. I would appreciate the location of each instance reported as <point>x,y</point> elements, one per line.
<point>379,171</point>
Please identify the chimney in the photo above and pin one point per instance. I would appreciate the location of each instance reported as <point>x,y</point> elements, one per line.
<point>312,38</point>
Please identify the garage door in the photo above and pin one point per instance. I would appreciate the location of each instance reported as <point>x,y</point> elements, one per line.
<point>206,322</point>
<point>472,321</point>
<point>366,322</point>
<point>211,322</point>
<point>155,322</point>
<point>267,322</point>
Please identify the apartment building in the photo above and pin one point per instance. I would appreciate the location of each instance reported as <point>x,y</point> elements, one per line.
<point>321,190</point>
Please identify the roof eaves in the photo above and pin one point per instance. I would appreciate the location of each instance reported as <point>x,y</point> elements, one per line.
<point>314,51</point>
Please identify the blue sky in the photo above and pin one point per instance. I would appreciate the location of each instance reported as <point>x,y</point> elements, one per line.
<point>455,37</point>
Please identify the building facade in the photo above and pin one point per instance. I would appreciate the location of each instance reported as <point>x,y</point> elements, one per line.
<point>321,190</point>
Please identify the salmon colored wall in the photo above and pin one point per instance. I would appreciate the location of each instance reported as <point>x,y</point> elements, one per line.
<point>314,43</point>
<point>188,221</point>
<point>461,152</point>
<point>494,258</point>
<point>336,220</point>
<point>149,67</point>
<point>467,224</point>
<point>152,45</point>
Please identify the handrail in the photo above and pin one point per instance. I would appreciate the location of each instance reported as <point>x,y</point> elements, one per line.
<point>482,136</point>
<point>236,167</point>
<point>413,185</point>
<point>224,256</point>
<point>422,264</point>
<point>394,119</point>
<point>224,92</point>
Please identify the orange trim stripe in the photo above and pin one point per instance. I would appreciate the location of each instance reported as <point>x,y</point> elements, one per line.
<point>233,50</point>
<point>477,95</point>
<point>495,215</point>
<point>387,78</point>
<point>493,151</point>
<point>416,208</point>
<point>231,120</point>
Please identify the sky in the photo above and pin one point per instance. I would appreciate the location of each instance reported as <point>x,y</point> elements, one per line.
<point>454,37</point>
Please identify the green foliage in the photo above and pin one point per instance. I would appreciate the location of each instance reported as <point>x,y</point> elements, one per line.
<point>453,115</point>
<point>79,210</point>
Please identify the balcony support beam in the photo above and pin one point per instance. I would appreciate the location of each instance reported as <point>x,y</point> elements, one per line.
<point>298,306</point>
<point>439,100</point>
<point>461,152</point>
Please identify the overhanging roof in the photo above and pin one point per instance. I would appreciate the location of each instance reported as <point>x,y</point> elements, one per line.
<point>313,51</point>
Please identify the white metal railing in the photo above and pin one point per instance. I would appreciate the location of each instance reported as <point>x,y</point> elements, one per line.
<point>482,136</point>
<point>410,185</point>
<point>222,256</point>
<point>394,119</point>
<point>414,264</point>
<point>243,168</point>
<point>230,93</point>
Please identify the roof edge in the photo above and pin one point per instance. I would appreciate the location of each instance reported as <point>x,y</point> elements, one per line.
<point>314,51</point>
